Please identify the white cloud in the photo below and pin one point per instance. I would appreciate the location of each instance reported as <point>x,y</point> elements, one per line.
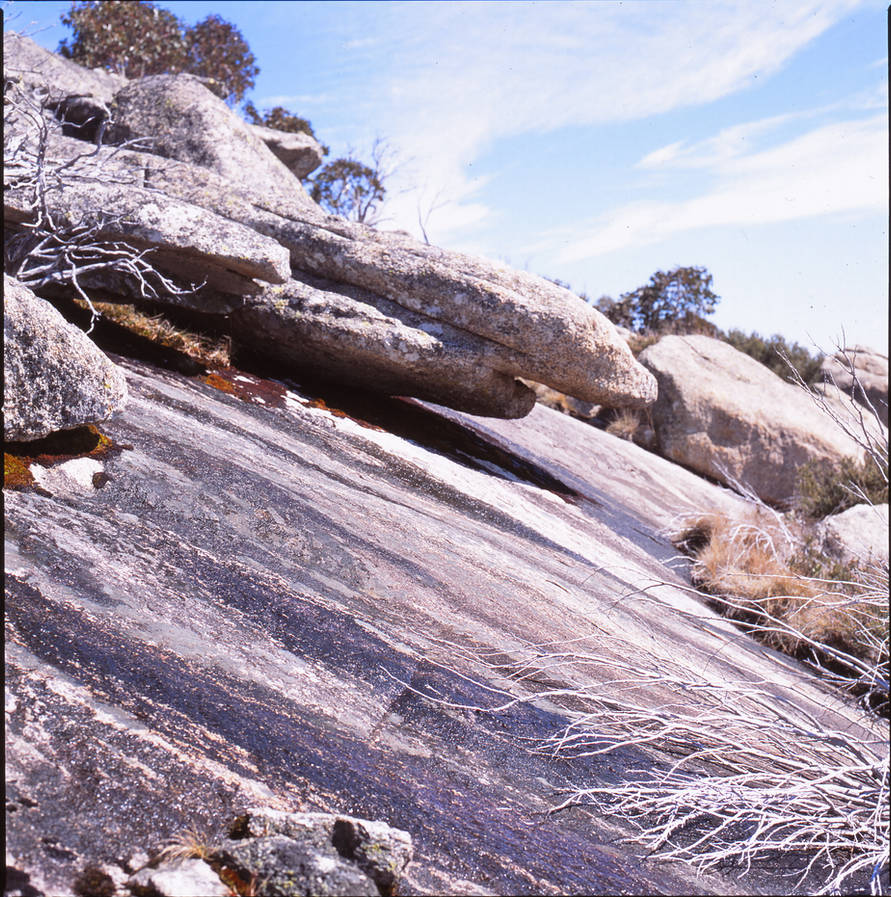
<point>295,100</point>
<point>840,167</point>
<point>462,75</point>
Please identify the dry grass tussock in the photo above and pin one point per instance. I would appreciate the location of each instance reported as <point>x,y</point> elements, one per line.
<point>769,575</point>
<point>213,351</point>
<point>625,424</point>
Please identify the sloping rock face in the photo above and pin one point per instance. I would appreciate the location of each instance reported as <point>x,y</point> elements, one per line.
<point>861,373</point>
<point>54,377</point>
<point>300,152</point>
<point>723,414</point>
<point>464,315</point>
<point>270,603</point>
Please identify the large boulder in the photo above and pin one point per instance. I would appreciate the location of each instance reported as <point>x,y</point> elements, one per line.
<point>724,414</point>
<point>186,121</point>
<point>539,330</point>
<point>419,320</point>
<point>353,336</point>
<point>301,152</point>
<point>55,378</point>
<point>862,374</point>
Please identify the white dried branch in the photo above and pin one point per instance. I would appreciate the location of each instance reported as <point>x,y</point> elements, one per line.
<point>45,251</point>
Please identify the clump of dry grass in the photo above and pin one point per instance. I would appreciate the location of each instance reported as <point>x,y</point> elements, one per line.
<point>625,424</point>
<point>755,572</point>
<point>189,844</point>
<point>213,351</point>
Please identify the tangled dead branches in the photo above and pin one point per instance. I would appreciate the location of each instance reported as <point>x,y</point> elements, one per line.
<point>43,249</point>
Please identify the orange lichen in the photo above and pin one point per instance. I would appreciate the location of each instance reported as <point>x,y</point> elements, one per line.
<point>64,445</point>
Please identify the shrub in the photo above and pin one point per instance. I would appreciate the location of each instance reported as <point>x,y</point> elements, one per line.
<point>773,351</point>
<point>681,296</point>
<point>822,488</point>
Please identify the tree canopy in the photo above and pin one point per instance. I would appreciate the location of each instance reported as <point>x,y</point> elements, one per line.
<point>349,188</point>
<point>135,38</point>
<point>681,297</point>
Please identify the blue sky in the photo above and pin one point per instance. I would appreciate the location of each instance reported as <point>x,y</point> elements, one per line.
<point>597,142</point>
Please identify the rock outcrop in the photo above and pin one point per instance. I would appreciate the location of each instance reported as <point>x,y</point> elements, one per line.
<point>862,374</point>
<point>64,85</point>
<point>400,300</point>
<point>266,603</point>
<point>183,120</point>
<point>54,376</point>
<point>725,415</point>
<point>301,153</point>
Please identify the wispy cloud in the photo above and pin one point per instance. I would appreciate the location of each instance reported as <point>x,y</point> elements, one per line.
<point>463,75</point>
<point>837,168</point>
<point>295,100</point>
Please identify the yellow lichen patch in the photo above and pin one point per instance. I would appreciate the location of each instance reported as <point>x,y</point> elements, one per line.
<point>16,472</point>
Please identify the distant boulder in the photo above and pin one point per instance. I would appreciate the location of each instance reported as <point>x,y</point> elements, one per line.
<point>300,152</point>
<point>725,415</point>
<point>869,368</point>
<point>186,121</point>
<point>55,378</point>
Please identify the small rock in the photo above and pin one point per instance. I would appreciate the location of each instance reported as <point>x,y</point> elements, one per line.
<point>859,534</point>
<point>184,878</point>
<point>300,152</point>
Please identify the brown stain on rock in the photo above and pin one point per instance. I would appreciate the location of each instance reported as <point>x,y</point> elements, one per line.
<point>64,445</point>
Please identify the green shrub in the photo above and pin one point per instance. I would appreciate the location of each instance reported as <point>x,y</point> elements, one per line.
<point>822,489</point>
<point>771,351</point>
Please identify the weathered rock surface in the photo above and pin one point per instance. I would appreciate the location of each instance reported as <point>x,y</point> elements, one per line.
<point>187,241</point>
<point>182,878</point>
<point>301,153</point>
<point>54,377</point>
<point>381,852</point>
<point>858,535</point>
<point>862,374</point>
<point>54,77</point>
<point>252,608</point>
<point>187,122</point>
<point>203,154</point>
<point>723,414</point>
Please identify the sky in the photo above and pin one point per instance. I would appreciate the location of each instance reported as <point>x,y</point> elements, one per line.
<point>599,142</point>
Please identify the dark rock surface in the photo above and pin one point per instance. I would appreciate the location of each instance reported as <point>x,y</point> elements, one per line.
<point>251,605</point>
